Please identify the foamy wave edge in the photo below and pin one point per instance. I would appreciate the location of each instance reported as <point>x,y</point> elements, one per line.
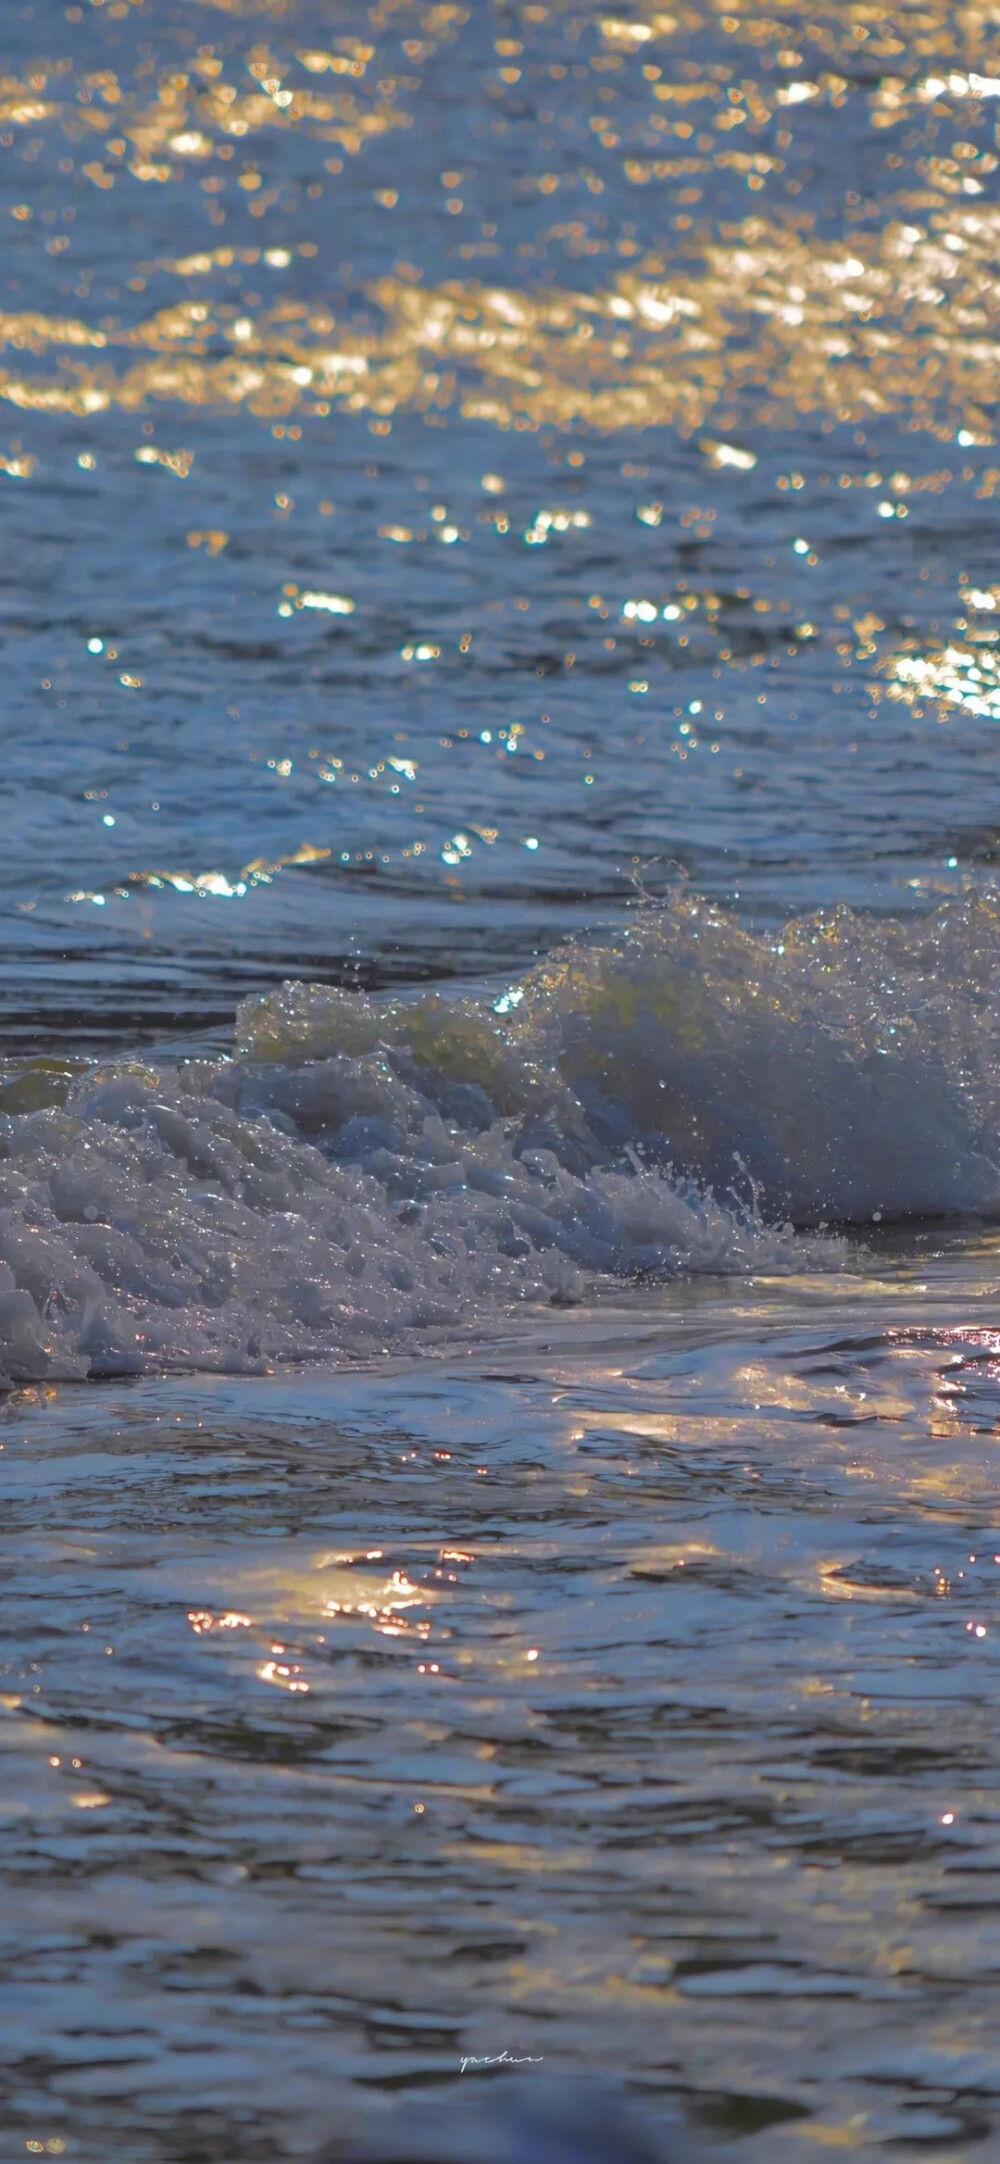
<point>365,1177</point>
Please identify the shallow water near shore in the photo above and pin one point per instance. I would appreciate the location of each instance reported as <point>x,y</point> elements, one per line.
<point>619,1697</point>
<point>500,1072</point>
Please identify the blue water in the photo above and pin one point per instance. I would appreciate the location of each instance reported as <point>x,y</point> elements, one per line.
<point>498,1433</point>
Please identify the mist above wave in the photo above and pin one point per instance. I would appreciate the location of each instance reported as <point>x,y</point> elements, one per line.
<point>364,1176</point>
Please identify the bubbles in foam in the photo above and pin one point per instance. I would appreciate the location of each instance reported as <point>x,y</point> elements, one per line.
<point>366,1176</point>
<point>841,1068</point>
<point>849,1063</point>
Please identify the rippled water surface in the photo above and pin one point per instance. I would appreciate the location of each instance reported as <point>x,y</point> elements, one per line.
<point>499,1499</point>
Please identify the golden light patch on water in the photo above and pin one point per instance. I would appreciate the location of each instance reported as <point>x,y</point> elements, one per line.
<point>214,884</point>
<point>957,676</point>
<point>759,311</point>
<point>193,110</point>
<point>656,1562</point>
<point>339,1590</point>
<point>834,1581</point>
<point>903,319</point>
<point>824,29</point>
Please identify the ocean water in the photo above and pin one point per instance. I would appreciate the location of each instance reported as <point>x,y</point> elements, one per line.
<point>500,1080</point>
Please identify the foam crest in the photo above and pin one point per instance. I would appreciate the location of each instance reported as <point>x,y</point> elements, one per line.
<point>365,1176</point>
<point>842,1070</point>
<point>186,1220</point>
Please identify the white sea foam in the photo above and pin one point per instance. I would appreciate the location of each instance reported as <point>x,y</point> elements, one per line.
<point>365,1175</point>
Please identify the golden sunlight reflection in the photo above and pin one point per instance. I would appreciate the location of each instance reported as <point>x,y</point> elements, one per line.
<point>962,677</point>
<point>210,885</point>
<point>529,475</point>
<point>761,311</point>
<point>821,326</point>
<point>289,1612</point>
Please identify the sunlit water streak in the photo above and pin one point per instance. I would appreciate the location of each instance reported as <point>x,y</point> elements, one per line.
<point>521,464</point>
<point>623,1698</point>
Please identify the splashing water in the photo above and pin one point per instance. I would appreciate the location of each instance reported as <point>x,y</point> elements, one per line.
<point>359,1174</point>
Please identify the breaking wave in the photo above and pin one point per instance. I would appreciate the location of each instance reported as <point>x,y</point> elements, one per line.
<point>362,1175</point>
